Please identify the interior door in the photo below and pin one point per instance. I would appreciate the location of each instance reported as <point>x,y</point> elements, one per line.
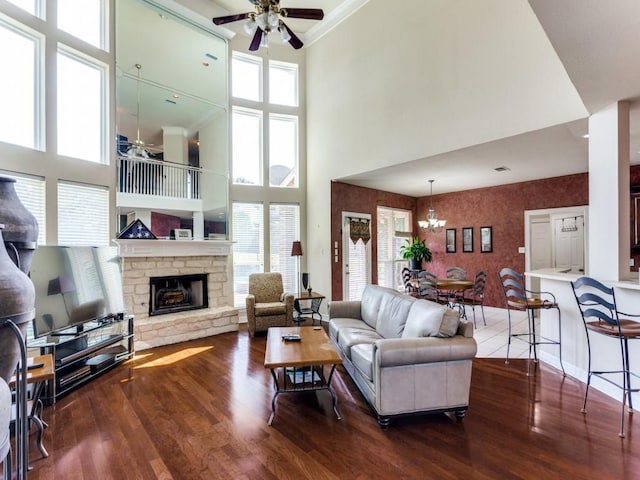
<point>569,243</point>
<point>356,260</point>
<point>541,244</point>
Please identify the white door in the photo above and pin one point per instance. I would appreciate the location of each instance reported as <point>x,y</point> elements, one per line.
<point>569,243</point>
<point>541,244</point>
<point>356,260</point>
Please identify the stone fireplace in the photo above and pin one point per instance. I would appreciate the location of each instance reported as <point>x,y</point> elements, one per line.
<point>204,264</point>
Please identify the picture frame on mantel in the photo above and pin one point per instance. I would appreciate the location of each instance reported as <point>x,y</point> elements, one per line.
<point>486,239</point>
<point>467,239</point>
<point>182,234</point>
<point>450,241</point>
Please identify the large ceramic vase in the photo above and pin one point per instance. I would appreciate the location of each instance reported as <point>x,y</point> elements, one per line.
<point>17,298</point>
<point>20,226</point>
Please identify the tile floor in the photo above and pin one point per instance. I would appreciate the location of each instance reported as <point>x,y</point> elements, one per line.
<point>492,338</point>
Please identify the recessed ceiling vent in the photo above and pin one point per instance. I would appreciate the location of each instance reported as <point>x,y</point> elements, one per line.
<point>501,169</point>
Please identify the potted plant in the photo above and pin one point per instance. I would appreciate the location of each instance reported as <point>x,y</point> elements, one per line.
<point>415,251</point>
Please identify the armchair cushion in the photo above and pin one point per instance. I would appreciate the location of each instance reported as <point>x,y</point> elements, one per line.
<point>271,308</point>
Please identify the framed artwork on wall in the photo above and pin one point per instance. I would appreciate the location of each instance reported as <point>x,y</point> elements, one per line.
<point>467,239</point>
<point>486,239</point>
<point>451,240</point>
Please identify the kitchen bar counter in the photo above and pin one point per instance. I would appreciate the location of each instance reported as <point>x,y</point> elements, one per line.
<point>574,342</point>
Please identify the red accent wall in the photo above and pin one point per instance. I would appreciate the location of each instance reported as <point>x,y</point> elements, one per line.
<point>350,198</point>
<point>162,224</point>
<point>501,208</point>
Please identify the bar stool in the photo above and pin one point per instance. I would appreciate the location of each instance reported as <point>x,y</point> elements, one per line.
<point>597,304</point>
<point>518,298</point>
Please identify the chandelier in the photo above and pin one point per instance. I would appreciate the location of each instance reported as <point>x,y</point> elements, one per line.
<point>431,224</point>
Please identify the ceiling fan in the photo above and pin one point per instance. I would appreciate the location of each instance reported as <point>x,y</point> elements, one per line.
<point>268,16</point>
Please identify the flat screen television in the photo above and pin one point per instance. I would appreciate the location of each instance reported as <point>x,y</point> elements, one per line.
<point>75,285</point>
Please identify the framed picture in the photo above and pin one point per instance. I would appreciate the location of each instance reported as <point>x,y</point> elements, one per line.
<point>486,239</point>
<point>183,234</point>
<point>467,239</point>
<point>451,240</point>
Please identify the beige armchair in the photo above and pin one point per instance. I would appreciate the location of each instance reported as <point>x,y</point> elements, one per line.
<point>267,304</point>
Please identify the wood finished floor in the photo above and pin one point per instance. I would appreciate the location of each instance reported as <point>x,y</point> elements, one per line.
<point>198,410</point>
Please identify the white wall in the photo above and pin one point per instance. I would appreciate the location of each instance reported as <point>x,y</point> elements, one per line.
<point>430,78</point>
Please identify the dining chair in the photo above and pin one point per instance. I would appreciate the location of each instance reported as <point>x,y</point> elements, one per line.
<point>428,286</point>
<point>475,296</point>
<point>454,298</point>
<point>600,315</point>
<point>519,298</point>
<point>457,273</point>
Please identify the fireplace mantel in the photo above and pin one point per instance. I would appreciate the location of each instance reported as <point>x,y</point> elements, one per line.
<point>172,248</point>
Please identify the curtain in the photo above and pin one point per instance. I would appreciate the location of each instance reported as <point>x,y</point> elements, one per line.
<point>359,230</point>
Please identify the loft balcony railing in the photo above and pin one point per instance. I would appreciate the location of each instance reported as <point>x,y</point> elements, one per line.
<point>144,176</point>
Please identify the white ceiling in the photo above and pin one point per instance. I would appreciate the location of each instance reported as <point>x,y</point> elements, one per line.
<point>597,42</point>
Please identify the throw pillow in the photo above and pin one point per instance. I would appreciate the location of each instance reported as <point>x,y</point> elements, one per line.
<point>424,319</point>
<point>450,322</point>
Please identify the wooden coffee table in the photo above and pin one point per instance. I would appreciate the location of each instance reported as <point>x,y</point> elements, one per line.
<point>300,366</point>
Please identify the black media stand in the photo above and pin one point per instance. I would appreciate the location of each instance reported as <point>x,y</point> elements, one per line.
<point>82,354</point>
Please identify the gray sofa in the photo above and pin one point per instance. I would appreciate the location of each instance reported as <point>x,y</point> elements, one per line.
<point>406,355</point>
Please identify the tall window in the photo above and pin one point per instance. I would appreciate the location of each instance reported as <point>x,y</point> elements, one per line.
<point>83,19</point>
<point>265,154</point>
<point>394,226</point>
<point>247,146</point>
<point>283,83</point>
<point>81,107</point>
<point>21,75</point>
<point>83,214</point>
<point>246,77</point>
<point>283,151</point>
<point>284,228</point>
<point>250,154</point>
<point>248,247</point>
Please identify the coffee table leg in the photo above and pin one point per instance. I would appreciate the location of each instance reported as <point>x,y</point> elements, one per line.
<point>275,394</point>
<point>333,395</point>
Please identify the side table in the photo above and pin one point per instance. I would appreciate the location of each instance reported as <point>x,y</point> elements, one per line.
<point>313,310</point>
<point>38,377</point>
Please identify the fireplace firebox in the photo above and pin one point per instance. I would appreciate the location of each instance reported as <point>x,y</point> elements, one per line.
<point>177,293</point>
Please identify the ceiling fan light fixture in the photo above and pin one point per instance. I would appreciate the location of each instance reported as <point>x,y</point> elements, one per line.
<point>264,41</point>
<point>272,19</point>
<point>284,34</point>
<point>262,21</point>
<point>250,26</point>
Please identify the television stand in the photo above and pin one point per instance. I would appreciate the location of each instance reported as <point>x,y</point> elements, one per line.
<point>82,354</point>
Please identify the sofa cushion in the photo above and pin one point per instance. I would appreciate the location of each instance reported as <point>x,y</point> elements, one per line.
<point>336,325</point>
<point>370,303</point>
<point>393,313</point>
<point>362,359</point>
<point>349,336</point>
<point>424,319</point>
<point>270,308</point>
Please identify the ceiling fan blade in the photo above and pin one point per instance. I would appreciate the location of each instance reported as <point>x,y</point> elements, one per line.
<point>230,18</point>
<point>255,41</point>
<point>294,40</point>
<point>308,13</point>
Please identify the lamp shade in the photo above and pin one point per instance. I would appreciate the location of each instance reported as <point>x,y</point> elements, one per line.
<point>296,249</point>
